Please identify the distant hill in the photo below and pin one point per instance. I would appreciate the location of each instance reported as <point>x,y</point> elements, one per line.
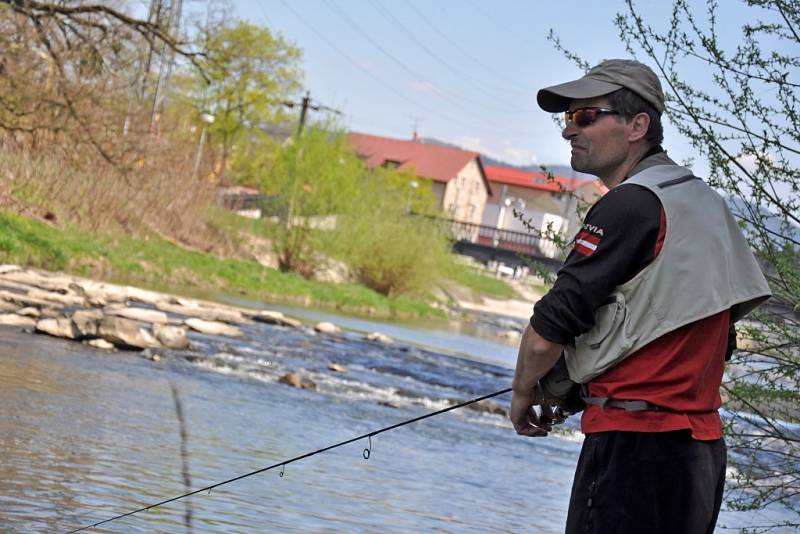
<point>558,170</point>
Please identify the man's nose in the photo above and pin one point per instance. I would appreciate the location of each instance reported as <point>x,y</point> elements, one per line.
<point>569,131</point>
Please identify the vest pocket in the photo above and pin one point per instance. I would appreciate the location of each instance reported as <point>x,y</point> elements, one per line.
<point>605,345</point>
<point>607,318</point>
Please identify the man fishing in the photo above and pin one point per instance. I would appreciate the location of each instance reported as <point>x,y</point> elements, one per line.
<point>639,322</point>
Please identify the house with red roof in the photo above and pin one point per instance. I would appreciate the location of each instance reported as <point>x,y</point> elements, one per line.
<point>542,201</point>
<point>459,180</point>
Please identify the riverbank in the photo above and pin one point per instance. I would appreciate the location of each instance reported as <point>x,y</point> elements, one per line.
<point>116,317</point>
<point>160,264</point>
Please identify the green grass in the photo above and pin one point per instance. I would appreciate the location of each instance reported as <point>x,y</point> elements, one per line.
<point>159,264</point>
<point>481,283</point>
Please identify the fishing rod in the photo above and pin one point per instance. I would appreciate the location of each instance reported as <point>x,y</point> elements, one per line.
<point>284,463</point>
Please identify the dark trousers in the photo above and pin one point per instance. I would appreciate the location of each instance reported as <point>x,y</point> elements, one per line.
<point>642,482</point>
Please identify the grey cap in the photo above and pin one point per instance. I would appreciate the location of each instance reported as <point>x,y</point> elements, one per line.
<point>603,79</point>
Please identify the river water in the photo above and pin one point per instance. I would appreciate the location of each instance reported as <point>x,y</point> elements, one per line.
<point>86,435</point>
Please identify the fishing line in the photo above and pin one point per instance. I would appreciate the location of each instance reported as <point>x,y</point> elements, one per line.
<point>282,464</point>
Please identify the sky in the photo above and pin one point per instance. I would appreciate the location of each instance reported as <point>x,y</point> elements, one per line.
<point>461,71</point>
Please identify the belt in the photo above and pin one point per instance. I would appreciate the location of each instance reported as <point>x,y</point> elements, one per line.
<point>627,405</point>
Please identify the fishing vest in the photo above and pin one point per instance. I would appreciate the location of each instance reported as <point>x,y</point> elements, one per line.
<point>705,266</point>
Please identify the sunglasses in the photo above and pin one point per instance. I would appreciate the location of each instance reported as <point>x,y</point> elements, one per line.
<point>585,116</point>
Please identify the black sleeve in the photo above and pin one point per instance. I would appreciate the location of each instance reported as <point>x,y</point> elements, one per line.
<point>617,240</point>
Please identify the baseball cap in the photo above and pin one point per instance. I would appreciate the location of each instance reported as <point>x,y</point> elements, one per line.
<point>603,79</point>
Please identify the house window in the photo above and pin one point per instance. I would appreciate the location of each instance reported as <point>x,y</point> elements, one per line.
<point>391,164</point>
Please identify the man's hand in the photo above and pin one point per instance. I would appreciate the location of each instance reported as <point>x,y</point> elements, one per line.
<point>536,356</point>
<point>524,418</point>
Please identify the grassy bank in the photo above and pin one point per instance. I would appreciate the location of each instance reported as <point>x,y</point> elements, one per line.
<point>162,265</point>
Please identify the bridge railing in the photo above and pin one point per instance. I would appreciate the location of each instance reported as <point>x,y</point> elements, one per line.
<point>490,236</point>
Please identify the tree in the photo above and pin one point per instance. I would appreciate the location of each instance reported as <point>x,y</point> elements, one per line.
<point>248,74</point>
<point>311,181</point>
<point>65,70</point>
<point>738,106</point>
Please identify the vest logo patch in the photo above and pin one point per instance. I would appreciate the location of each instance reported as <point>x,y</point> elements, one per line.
<point>593,229</point>
<point>586,243</point>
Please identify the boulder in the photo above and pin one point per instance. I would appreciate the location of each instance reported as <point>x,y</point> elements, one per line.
<point>50,312</point>
<point>202,312</point>
<point>325,327</point>
<point>511,335</point>
<point>8,307</point>
<point>124,333</point>
<point>101,344</point>
<point>143,295</point>
<point>48,282</point>
<point>58,327</point>
<point>24,300</point>
<point>30,312</point>
<point>12,319</point>
<point>487,406</point>
<point>337,367</point>
<point>171,337</point>
<point>138,314</point>
<point>380,338</point>
<point>87,322</point>
<point>103,292</point>
<point>5,269</point>
<point>213,328</point>
<point>296,381</point>
<point>57,298</point>
<point>275,317</point>
<point>150,338</point>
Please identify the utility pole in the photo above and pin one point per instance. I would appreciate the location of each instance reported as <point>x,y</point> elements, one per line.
<point>305,104</point>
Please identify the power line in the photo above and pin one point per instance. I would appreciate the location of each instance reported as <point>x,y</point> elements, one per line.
<point>366,71</point>
<point>395,21</point>
<point>284,463</point>
<point>518,88</point>
<point>391,88</point>
<point>452,96</point>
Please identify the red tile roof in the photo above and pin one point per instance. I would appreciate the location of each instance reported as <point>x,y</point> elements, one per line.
<point>532,179</point>
<point>438,163</point>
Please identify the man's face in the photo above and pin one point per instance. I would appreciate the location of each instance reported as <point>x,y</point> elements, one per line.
<point>601,147</point>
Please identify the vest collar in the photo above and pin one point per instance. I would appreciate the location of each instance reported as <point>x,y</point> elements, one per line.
<point>654,156</point>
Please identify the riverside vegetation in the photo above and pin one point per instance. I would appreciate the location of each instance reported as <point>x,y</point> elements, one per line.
<point>108,171</point>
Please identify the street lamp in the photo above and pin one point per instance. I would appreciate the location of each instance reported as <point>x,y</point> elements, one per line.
<point>206,119</point>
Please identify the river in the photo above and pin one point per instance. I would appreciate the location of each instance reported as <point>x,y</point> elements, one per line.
<point>86,435</point>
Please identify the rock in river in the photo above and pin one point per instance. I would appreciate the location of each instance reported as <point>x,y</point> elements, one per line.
<point>87,322</point>
<point>327,328</point>
<point>212,328</point>
<point>172,337</point>
<point>275,317</point>
<point>380,338</point>
<point>58,327</point>
<point>12,319</point>
<point>296,381</point>
<point>337,367</point>
<point>125,333</point>
<point>101,344</point>
<point>138,314</point>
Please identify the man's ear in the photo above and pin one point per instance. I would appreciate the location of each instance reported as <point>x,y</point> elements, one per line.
<point>638,127</point>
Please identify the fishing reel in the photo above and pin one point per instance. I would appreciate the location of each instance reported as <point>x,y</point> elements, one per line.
<point>560,392</point>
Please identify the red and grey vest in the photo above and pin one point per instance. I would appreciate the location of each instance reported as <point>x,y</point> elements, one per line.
<point>705,266</point>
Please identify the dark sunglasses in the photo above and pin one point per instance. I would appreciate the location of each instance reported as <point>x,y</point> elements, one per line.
<point>586,116</point>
